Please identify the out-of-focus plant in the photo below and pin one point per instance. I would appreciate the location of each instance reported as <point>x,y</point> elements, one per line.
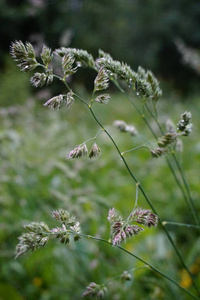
<point>190,56</point>
<point>147,89</point>
<point>146,45</point>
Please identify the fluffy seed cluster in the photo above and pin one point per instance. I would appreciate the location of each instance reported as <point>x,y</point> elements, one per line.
<point>24,54</point>
<point>115,69</point>
<point>158,152</point>
<point>36,237</point>
<point>69,99</point>
<point>145,83</point>
<point>41,79</point>
<point>123,127</point>
<point>144,217</point>
<point>104,98</point>
<point>126,276</point>
<point>39,233</point>
<point>189,55</point>
<point>46,55</point>
<point>78,151</point>
<point>67,65</point>
<point>167,139</point>
<point>95,151</point>
<point>57,102</point>
<point>82,57</point>
<point>101,82</point>
<point>185,124</point>
<point>95,291</point>
<point>121,229</point>
<point>64,217</point>
<point>82,150</point>
<point>170,126</point>
<point>69,225</point>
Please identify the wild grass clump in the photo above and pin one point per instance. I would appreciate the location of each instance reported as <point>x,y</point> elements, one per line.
<point>141,91</point>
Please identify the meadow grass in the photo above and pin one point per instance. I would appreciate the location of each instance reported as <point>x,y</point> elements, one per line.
<point>37,179</point>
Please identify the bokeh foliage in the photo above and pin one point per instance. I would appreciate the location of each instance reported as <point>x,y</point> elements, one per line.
<point>137,32</point>
<point>37,178</point>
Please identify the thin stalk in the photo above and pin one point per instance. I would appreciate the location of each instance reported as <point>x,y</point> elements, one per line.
<point>194,212</point>
<point>143,261</point>
<point>95,137</point>
<point>136,200</point>
<point>142,115</point>
<point>118,276</point>
<point>181,224</point>
<point>123,249</point>
<point>188,199</point>
<point>139,185</point>
<point>139,147</point>
<point>147,199</point>
<point>180,186</point>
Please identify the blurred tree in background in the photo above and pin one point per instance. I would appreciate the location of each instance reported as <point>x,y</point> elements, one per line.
<point>139,32</point>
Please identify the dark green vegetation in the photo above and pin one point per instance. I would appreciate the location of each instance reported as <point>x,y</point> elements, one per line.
<point>139,32</point>
<point>36,178</point>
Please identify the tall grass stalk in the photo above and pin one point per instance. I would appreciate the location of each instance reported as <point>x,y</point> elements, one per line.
<point>142,190</point>
<point>185,190</point>
<point>147,87</point>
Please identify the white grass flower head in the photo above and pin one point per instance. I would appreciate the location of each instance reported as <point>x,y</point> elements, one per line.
<point>146,85</point>
<point>188,129</point>
<point>144,217</point>
<point>170,126</point>
<point>82,57</point>
<point>158,152</point>
<point>36,238</point>
<point>184,121</point>
<point>55,102</point>
<point>64,217</point>
<point>119,229</point>
<point>122,229</point>
<point>95,151</point>
<point>168,139</point>
<point>39,233</point>
<point>101,82</point>
<point>40,79</point>
<point>95,291</point>
<point>156,91</point>
<point>46,55</point>
<point>69,226</point>
<point>132,130</point>
<point>185,124</point>
<point>126,276</point>
<point>69,99</point>
<point>123,127</point>
<point>67,65</point>
<point>104,98</point>
<point>58,101</point>
<point>115,68</point>
<point>24,54</point>
<point>78,151</point>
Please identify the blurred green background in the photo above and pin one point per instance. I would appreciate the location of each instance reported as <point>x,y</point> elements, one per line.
<point>35,177</point>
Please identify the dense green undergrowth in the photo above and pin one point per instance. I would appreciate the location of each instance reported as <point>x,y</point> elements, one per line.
<point>36,179</point>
